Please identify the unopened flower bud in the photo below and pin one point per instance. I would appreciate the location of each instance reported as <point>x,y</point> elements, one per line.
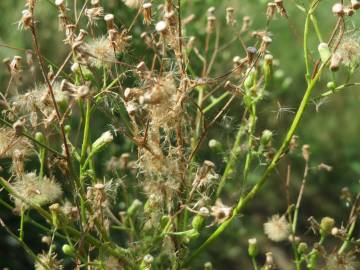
<point>208,266</point>
<point>134,207</point>
<point>302,248</point>
<point>324,52</point>
<point>331,85</point>
<point>326,225</point>
<point>102,141</point>
<point>215,145</point>
<point>266,137</point>
<point>252,248</point>
<point>68,250</point>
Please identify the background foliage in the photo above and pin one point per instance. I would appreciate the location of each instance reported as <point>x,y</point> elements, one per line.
<point>332,130</point>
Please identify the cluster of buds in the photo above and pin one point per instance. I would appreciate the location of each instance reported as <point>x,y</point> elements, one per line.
<point>95,12</point>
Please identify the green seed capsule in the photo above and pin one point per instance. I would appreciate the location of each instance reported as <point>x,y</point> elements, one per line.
<point>331,85</point>
<point>324,52</point>
<point>68,250</point>
<point>40,137</point>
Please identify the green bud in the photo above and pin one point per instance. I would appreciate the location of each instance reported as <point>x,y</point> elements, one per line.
<point>250,80</point>
<point>324,52</point>
<point>326,225</point>
<point>313,259</point>
<point>68,250</point>
<point>286,83</point>
<point>55,212</point>
<point>252,248</point>
<point>134,207</point>
<point>302,248</point>
<point>67,129</point>
<point>268,71</point>
<point>266,137</point>
<point>215,145</point>
<point>197,222</point>
<point>331,85</point>
<point>40,137</point>
<point>279,74</point>
<point>146,262</point>
<point>102,141</point>
<point>208,266</point>
<point>192,234</point>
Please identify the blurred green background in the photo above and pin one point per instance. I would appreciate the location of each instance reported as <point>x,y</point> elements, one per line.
<point>332,131</point>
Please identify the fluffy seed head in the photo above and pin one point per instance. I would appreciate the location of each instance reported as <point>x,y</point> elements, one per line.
<point>36,190</point>
<point>277,228</point>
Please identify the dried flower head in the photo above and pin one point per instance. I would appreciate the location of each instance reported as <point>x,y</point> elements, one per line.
<point>342,262</point>
<point>11,144</point>
<point>133,3</point>
<point>220,211</point>
<point>36,190</point>
<point>48,261</point>
<point>94,14</point>
<point>101,51</point>
<point>349,51</point>
<point>277,228</point>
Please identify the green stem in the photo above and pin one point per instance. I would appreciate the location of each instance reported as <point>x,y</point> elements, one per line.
<point>306,53</point>
<point>347,241</point>
<point>22,213</point>
<point>230,162</point>
<point>215,101</point>
<point>249,155</point>
<point>85,142</point>
<point>42,156</point>
<point>249,196</point>
<point>199,117</point>
<point>316,27</point>
<point>254,264</point>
